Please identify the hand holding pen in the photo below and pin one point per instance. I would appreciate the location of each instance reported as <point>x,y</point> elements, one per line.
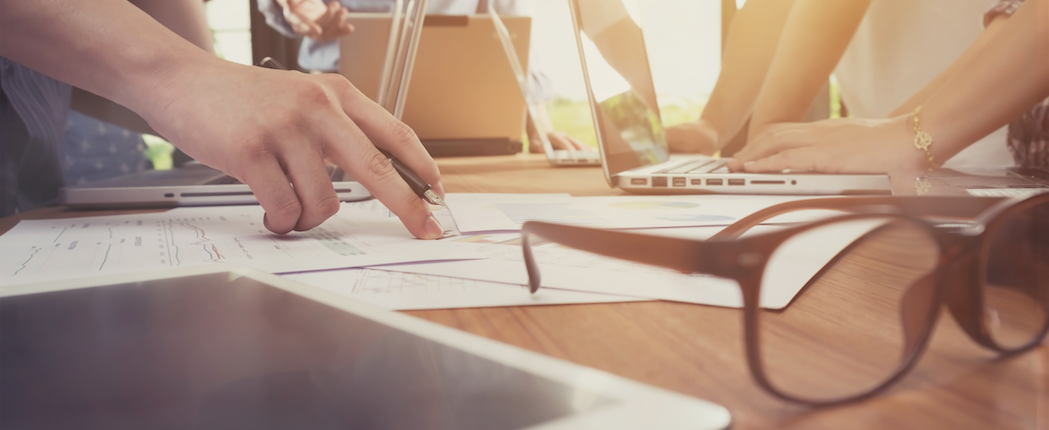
<point>367,142</point>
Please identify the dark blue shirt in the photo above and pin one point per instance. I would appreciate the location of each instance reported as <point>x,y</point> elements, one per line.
<point>33,110</point>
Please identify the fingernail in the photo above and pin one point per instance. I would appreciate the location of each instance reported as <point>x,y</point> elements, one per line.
<point>748,165</point>
<point>433,228</point>
<point>439,189</point>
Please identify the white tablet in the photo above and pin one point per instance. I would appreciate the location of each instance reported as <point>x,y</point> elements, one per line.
<point>223,347</point>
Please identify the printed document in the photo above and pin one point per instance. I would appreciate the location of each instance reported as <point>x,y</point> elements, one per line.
<point>48,249</point>
<point>787,272</point>
<point>410,291</point>
<point>487,213</point>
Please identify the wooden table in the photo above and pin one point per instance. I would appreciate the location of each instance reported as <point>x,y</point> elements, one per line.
<point>698,350</point>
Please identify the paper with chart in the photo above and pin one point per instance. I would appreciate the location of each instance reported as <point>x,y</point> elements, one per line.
<point>412,291</point>
<point>789,269</point>
<point>373,207</point>
<point>49,249</point>
<point>479,213</point>
<point>569,269</point>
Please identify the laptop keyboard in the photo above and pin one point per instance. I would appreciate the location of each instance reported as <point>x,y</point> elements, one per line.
<point>696,166</point>
<point>334,172</point>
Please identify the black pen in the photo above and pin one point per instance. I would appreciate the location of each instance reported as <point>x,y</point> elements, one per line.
<point>417,184</point>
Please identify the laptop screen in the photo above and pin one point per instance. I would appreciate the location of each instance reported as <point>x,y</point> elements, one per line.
<point>619,84</point>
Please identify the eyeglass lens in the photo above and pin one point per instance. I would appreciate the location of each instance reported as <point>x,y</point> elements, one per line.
<point>1015,280</point>
<point>847,330</point>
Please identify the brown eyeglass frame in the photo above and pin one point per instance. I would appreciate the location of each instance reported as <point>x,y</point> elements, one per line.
<point>956,280</point>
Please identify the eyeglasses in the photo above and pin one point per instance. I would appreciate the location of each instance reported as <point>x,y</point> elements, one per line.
<point>864,319</point>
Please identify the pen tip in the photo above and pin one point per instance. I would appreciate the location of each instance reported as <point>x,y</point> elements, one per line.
<point>434,198</point>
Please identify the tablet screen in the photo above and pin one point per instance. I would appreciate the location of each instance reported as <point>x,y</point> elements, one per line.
<point>209,352</point>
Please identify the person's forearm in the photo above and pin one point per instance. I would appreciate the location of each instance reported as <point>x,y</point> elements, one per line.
<point>814,39</point>
<point>921,96</point>
<point>1002,80</point>
<point>110,48</point>
<point>185,17</point>
<point>749,49</point>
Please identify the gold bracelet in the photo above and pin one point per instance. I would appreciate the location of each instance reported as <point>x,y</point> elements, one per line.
<point>922,140</point>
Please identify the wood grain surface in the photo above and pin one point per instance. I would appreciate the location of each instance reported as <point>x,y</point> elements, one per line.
<point>699,350</point>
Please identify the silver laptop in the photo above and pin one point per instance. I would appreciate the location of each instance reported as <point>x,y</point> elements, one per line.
<point>565,157</point>
<point>557,157</point>
<point>630,132</point>
<point>1009,182</point>
<point>462,94</point>
<point>192,185</point>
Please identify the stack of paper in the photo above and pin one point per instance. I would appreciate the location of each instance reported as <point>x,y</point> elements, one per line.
<point>489,225</point>
<point>36,250</point>
<point>364,252</point>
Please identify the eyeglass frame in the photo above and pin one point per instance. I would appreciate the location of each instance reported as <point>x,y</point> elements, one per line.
<point>957,275</point>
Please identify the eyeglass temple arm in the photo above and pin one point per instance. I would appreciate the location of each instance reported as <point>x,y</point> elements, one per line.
<point>683,255</point>
<point>921,206</point>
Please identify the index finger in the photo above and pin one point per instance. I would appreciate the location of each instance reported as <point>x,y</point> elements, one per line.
<point>389,133</point>
<point>776,139</point>
<point>352,150</point>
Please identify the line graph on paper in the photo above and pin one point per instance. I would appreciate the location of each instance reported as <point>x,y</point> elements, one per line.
<point>189,239</point>
<point>88,247</point>
<point>182,237</point>
<point>98,245</point>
